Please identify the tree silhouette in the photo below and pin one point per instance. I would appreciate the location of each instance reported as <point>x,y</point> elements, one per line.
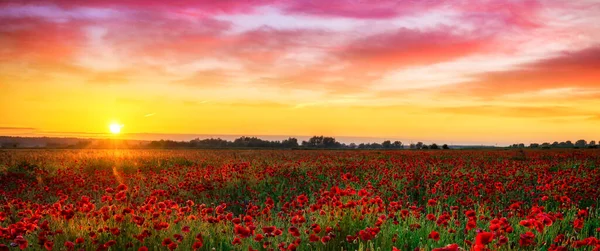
<point>581,143</point>
<point>419,145</point>
<point>398,144</point>
<point>386,144</point>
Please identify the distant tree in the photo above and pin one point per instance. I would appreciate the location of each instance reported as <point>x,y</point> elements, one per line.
<point>10,145</point>
<point>581,143</point>
<point>521,145</point>
<point>386,144</point>
<point>330,142</point>
<point>254,142</point>
<point>569,144</point>
<point>434,146</point>
<point>352,145</point>
<point>592,143</point>
<point>375,146</point>
<point>445,146</point>
<point>290,142</point>
<point>534,145</point>
<point>424,147</point>
<point>315,141</point>
<point>546,145</point>
<point>555,144</point>
<point>397,144</point>
<point>322,142</point>
<point>412,146</point>
<point>419,145</point>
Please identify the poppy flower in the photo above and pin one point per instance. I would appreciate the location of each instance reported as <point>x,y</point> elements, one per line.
<point>434,236</point>
<point>484,238</point>
<point>313,238</point>
<point>48,245</point>
<point>166,242</point>
<point>449,247</point>
<point>197,245</point>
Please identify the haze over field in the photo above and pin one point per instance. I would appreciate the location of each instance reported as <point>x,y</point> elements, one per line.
<point>482,72</point>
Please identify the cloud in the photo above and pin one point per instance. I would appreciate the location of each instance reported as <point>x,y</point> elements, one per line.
<point>112,77</point>
<point>516,111</point>
<point>188,7</point>
<point>574,69</point>
<point>514,12</point>
<point>207,78</point>
<point>504,14</point>
<point>36,39</point>
<point>258,104</point>
<point>406,47</point>
<point>358,9</point>
<point>53,13</point>
<point>17,128</point>
<point>270,47</point>
<point>498,14</point>
<point>157,38</point>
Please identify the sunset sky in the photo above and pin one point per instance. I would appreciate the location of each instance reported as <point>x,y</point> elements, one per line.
<point>489,72</point>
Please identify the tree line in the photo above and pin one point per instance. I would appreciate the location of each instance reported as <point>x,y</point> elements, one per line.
<point>315,142</point>
<point>565,144</point>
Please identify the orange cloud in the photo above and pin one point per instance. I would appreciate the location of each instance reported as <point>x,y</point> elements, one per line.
<point>516,111</point>
<point>578,69</point>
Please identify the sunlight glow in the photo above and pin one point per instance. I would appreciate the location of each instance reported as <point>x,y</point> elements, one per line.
<point>115,128</point>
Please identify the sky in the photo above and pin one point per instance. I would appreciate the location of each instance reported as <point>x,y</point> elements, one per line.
<point>485,72</point>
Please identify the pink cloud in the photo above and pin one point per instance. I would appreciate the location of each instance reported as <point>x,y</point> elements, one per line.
<point>405,47</point>
<point>514,12</point>
<point>502,14</point>
<point>154,36</point>
<point>378,9</point>
<point>36,39</point>
<point>206,6</point>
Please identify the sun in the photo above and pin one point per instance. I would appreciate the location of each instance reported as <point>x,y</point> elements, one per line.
<point>115,128</point>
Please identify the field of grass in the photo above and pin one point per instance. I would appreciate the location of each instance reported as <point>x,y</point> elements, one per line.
<point>299,200</point>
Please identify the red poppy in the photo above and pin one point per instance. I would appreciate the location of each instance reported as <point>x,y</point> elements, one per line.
<point>197,245</point>
<point>450,247</point>
<point>484,238</point>
<point>48,245</point>
<point>434,236</point>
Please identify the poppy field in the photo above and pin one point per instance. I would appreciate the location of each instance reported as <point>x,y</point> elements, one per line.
<point>299,200</point>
